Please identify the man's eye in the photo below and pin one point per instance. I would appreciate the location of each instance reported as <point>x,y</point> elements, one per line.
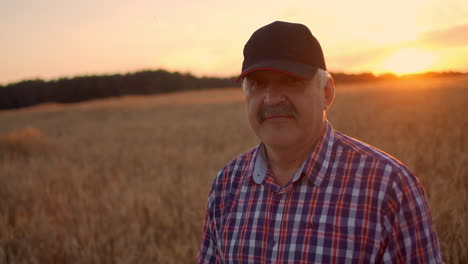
<point>257,83</point>
<point>293,80</point>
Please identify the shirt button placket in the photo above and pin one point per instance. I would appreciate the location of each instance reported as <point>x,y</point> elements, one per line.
<point>272,243</point>
<point>271,224</point>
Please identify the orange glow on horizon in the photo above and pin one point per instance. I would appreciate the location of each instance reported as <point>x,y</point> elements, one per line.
<point>408,60</point>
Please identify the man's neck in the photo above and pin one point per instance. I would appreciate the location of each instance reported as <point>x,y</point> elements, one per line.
<point>285,161</point>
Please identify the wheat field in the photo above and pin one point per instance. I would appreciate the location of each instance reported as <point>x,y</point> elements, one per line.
<point>125,180</point>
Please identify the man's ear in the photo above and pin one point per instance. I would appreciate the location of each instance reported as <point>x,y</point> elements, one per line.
<point>329,93</point>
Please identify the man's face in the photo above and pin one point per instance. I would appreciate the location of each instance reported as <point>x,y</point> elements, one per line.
<point>284,111</point>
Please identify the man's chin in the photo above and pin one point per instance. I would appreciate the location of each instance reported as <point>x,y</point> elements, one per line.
<point>277,139</point>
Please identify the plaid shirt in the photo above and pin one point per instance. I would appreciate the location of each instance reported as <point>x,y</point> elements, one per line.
<point>348,203</point>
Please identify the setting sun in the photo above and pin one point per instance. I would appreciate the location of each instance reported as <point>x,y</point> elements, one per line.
<point>409,60</point>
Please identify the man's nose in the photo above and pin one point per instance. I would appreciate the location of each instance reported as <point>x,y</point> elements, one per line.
<point>273,95</point>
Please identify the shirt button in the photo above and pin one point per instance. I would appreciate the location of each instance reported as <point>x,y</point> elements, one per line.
<point>277,196</point>
<point>272,243</point>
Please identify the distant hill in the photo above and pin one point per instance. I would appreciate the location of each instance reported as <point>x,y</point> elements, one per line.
<point>82,88</point>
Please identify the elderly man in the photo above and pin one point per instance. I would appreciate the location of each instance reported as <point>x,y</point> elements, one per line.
<point>307,193</point>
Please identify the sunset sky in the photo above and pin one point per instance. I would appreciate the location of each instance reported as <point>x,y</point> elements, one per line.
<point>53,39</point>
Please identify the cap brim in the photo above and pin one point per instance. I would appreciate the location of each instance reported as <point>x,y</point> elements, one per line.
<point>296,69</point>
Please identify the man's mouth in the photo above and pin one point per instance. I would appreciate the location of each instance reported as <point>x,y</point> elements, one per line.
<point>276,111</point>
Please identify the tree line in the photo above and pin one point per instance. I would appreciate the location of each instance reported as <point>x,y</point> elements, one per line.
<point>82,88</point>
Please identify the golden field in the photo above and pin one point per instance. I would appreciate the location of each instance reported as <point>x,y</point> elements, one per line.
<point>125,180</point>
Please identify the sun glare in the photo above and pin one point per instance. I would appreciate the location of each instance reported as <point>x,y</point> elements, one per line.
<point>409,60</point>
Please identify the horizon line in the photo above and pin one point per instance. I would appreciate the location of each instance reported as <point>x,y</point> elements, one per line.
<point>199,76</point>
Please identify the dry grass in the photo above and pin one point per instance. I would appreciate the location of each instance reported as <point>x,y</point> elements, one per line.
<point>22,143</point>
<point>126,180</point>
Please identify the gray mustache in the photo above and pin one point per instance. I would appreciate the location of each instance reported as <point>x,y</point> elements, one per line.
<point>275,110</point>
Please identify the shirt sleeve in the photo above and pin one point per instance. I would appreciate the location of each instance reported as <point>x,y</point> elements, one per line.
<point>207,252</point>
<point>409,234</point>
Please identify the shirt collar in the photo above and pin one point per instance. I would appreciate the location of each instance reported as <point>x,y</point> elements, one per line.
<point>314,166</point>
<point>261,165</point>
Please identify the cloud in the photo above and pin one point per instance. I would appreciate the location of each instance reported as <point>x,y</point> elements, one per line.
<point>454,36</point>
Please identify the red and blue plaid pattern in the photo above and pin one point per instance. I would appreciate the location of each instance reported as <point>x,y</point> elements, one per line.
<point>349,203</point>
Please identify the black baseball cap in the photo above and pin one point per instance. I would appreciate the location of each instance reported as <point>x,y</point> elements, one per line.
<point>284,47</point>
